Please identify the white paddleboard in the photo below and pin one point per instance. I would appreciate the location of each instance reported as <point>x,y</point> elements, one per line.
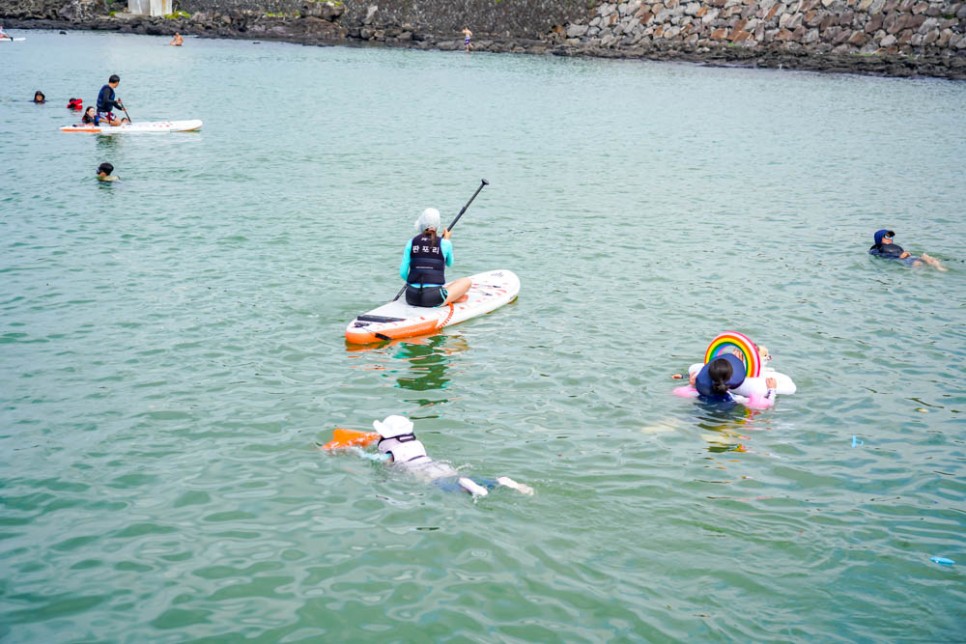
<point>13,39</point>
<point>146,127</point>
<point>395,320</point>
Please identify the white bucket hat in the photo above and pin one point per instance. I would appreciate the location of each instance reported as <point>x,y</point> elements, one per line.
<point>428,219</point>
<point>393,426</point>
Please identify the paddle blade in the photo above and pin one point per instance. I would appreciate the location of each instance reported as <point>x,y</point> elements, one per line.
<point>343,438</point>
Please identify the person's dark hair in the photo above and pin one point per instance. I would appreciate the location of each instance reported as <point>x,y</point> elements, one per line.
<point>720,372</point>
<point>88,118</point>
<point>431,234</point>
<point>114,79</point>
<point>42,98</point>
<point>105,167</point>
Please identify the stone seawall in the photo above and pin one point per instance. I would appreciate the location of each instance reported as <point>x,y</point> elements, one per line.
<point>527,19</point>
<point>893,37</point>
<point>911,27</point>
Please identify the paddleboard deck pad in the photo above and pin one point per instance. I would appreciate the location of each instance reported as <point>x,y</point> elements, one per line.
<point>396,320</point>
<point>147,127</point>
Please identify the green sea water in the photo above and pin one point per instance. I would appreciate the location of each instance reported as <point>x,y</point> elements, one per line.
<point>172,350</point>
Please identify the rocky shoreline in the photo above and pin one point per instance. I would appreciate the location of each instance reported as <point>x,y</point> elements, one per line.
<point>902,38</point>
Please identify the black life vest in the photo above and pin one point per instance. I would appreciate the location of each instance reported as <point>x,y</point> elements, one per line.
<point>426,262</point>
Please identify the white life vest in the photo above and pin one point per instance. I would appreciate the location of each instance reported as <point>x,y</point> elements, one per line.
<point>404,448</point>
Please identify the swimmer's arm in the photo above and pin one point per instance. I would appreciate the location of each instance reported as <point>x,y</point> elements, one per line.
<point>370,456</point>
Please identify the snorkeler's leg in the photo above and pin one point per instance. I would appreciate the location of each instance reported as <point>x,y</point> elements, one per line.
<point>522,488</point>
<point>472,486</point>
<point>932,261</point>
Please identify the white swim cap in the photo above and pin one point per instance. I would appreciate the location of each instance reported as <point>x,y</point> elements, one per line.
<point>429,219</point>
<point>393,426</point>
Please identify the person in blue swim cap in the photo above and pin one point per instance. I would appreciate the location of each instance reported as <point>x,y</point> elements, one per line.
<point>884,246</point>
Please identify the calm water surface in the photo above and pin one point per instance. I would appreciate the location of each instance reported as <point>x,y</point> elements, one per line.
<point>172,353</point>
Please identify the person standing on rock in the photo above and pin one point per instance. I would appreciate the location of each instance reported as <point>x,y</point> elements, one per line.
<point>467,37</point>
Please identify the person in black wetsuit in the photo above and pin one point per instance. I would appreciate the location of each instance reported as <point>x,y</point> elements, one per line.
<point>885,247</point>
<point>107,101</point>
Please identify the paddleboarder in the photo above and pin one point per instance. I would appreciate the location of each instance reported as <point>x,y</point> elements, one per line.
<point>424,263</point>
<point>107,100</point>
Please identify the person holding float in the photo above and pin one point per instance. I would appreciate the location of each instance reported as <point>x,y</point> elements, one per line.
<point>733,371</point>
<point>885,247</point>
<point>424,263</point>
<point>397,445</point>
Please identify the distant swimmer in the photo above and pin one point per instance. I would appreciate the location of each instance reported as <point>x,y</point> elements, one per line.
<point>107,100</point>
<point>104,172</point>
<point>39,97</point>
<point>177,41</point>
<point>397,445</point>
<point>467,37</point>
<point>885,247</point>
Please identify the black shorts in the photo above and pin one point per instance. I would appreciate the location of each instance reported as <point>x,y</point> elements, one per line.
<point>428,296</point>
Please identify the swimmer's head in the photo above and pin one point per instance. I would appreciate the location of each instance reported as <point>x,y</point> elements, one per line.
<point>393,426</point>
<point>882,234</point>
<point>105,168</point>
<point>429,219</point>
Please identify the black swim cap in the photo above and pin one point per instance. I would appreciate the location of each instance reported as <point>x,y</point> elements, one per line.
<point>114,79</point>
<point>105,167</point>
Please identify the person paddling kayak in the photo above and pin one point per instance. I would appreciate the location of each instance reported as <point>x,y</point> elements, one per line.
<point>424,263</point>
<point>107,100</point>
